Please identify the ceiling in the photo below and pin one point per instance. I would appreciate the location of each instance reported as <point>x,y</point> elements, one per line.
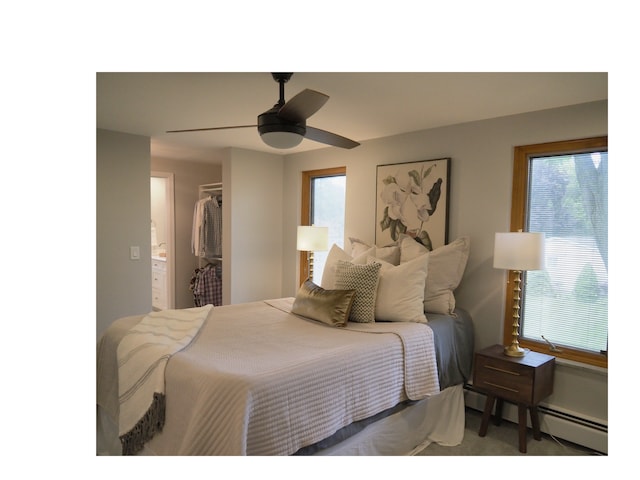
<point>362,106</point>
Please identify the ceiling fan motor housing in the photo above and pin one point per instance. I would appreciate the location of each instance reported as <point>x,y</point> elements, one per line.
<point>269,122</point>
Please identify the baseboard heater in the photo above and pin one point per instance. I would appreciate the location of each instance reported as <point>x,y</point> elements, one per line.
<point>559,424</point>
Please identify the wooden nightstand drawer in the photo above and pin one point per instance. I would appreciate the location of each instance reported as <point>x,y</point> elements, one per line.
<point>526,379</point>
<point>509,381</point>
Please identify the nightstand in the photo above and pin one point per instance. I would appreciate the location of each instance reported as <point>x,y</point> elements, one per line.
<point>525,381</point>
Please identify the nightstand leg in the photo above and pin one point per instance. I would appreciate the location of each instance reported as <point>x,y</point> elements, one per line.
<point>488,406</point>
<point>535,423</point>
<point>522,427</point>
<point>497,419</point>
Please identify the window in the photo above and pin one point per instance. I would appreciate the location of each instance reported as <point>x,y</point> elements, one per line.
<point>323,204</point>
<point>561,189</point>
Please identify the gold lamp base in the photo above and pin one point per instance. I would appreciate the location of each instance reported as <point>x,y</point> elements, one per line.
<point>515,351</point>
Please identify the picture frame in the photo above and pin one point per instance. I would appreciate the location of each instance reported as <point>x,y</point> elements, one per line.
<point>413,199</point>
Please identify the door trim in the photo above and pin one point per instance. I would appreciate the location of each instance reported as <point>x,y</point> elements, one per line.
<point>171,235</point>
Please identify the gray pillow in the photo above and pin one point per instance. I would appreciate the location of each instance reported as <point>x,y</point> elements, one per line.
<point>327,306</point>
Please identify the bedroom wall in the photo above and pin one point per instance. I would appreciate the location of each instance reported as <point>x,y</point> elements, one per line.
<point>252,226</point>
<point>188,175</point>
<point>481,175</point>
<point>122,220</point>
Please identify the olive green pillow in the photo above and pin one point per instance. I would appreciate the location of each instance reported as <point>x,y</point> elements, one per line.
<point>327,306</point>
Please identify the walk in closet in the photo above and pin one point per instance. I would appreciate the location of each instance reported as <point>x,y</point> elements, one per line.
<point>206,244</point>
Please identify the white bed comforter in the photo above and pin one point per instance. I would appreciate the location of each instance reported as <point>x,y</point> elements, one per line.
<point>259,380</point>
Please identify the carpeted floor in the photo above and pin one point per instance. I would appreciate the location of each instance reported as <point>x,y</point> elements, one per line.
<point>502,440</point>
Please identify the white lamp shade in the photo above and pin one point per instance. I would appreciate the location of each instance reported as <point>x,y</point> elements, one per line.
<point>312,238</point>
<point>519,251</point>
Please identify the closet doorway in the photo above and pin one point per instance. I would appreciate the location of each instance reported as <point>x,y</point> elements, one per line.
<point>162,240</point>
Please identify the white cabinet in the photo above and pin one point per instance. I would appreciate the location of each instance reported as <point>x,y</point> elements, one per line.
<point>159,283</point>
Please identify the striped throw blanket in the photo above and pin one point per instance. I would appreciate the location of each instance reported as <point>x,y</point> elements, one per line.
<point>142,357</point>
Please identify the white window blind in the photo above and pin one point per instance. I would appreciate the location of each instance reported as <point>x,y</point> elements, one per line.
<point>328,207</point>
<point>567,302</point>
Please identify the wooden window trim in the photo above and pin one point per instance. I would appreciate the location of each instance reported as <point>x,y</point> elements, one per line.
<point>522,154</point>
<point>305,206</point>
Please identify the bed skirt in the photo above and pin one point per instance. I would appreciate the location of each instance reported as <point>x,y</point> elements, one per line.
<point>436,419</point>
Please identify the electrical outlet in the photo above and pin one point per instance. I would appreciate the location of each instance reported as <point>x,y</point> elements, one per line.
<point>134,253</point>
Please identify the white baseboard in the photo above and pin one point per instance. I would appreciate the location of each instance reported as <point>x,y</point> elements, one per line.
<point>557,425</point>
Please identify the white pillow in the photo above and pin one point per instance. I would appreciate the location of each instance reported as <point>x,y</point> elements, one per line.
<point>364,280</point>
<point>401,290</point>
<point>390,253</point>
<point>446,267</point>
<point>336,254</point>
<point>358,246</point>
<point>410,248</point>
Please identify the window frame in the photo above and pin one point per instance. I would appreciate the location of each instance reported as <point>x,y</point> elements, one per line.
<point>306,206</point>
<point>519,210</point>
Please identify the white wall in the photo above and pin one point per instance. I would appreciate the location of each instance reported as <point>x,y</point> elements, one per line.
<point>123,286</point>
<point>252,226</point>
<point>481,175</point>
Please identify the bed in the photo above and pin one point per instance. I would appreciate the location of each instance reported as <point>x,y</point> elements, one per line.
<point>281,377</point>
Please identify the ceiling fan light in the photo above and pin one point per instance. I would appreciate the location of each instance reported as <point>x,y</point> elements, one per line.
<point>282,140</point>
<point>279,133</point>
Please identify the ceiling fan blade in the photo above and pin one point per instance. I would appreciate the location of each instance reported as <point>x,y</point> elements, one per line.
<point>212,128</point>
<point>329,138</point>
<point>302,105</point>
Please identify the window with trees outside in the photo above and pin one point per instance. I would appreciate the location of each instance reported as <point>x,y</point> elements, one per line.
<point>323,204</point>
<point>561,189</point>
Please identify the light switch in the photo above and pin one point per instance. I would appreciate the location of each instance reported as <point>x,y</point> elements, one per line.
<point>134,253</point>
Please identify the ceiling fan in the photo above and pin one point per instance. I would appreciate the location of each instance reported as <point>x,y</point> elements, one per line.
<point>285,124</point>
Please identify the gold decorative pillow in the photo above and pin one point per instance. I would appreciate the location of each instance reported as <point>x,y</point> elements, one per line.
<point>332,307</point>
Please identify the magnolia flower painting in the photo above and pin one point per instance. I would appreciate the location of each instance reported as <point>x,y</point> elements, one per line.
<point>413,199</point>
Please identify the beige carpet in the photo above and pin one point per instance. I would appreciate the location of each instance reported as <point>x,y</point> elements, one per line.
<point>502,440</point>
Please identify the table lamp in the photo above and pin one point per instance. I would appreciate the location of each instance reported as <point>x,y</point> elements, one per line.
<point>310,239</point>
<point>518,251</point>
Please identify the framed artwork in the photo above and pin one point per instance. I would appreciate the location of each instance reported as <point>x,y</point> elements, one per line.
<point>413,198</point>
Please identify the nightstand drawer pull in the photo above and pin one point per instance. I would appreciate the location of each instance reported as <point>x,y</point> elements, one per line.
<point>502,370</point>
<point>502,387</point>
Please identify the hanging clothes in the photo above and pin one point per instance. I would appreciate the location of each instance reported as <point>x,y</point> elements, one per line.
<point>197,225</point>
<point>206,236</point>
<point>206,285</point>
<point>212,228</point>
